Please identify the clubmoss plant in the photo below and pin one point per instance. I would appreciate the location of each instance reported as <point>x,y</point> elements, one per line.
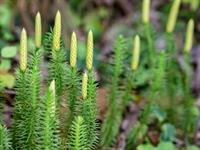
<point>34,77</point>
<point>110,127</point>
<point>149,35</point>
<point>129,78</point>
<point>73,83</point>
<point>189,115</point>
<point>157,88</point>
<point>90,115</point>
<point>57,66</point>
<point>30,79</point>
<point>5,141</point>
<point>171,22</point>
<point>49,137</point>
<point>78,135</point>
<point>173,76</point>
<point>19,131</point>
<point>90,102</point>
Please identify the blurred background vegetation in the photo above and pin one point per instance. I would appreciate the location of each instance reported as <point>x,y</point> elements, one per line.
<point>107,19</point>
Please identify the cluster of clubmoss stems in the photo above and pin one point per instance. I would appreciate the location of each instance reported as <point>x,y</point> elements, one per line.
<point>149,38</point>
<point>188,125</point>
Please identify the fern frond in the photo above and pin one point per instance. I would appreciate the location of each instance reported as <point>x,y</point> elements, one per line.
<point>78,135</point>
<point>48,128</point>
<point>5,141</point>
<point>113,116</point>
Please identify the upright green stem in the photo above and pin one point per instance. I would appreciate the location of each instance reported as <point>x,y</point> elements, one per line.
<point>150,43</point>
<point>89,111</point>
<point>32,118</point>
<point>188,100</point>
<point>73,101</point>
<point>173,77</point>
<point>112,120</point>
<point>19,117</point>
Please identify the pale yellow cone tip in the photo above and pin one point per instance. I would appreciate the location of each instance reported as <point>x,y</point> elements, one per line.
<point>57,32</point>
<point>23,30</point>
<point>73,34</point>
<point>52,87</point>
<point>58,14</point>
<point>73,50</point>
<point>38,15</point>
<point>23,50</point>
<point>90,32</point>
<point>38,30</point>
<point>53,100</point>
<point>89,51</point>
<point>146,11</point>
<point>173,16</point>
<point>136,53</point>
<point>189,36</point>
<point>84,85</point>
